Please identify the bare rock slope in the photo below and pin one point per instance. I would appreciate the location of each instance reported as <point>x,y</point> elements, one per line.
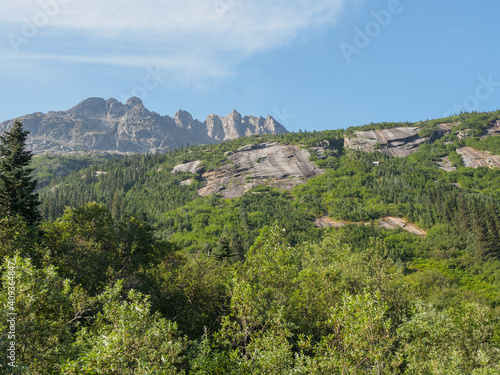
<point>475,158</point>
<point>401,142</point>
<point>282,166</point>
<point>108,125</point>
<point>389,222</point>
<point>398,142</point>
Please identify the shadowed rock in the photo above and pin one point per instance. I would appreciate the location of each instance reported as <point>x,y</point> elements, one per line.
<point>398,142</point>
<point>492,130</point>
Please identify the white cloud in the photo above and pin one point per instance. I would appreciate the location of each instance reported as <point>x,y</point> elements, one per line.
<point>218,31</point>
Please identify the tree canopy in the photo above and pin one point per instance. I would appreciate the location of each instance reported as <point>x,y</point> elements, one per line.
<point>17,186</point>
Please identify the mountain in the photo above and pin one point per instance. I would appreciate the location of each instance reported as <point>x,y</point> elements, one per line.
<point>108,125</point>
<point>310,252</point>
<point>377,172</point>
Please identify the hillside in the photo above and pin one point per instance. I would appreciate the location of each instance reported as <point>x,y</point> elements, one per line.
<point>185,192</point>
<point>274,253</point>
<point>110,126</point>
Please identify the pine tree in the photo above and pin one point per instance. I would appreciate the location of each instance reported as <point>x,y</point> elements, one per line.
<point>223,250</point>
<point>17,187</point>
<point>480,229</point>
<point>237,250</point>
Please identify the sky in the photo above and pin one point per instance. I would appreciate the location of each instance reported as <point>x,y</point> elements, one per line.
<point>311,64</point>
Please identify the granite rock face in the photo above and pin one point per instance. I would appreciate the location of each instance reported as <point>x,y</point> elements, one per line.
<point>492,130</point>
<point>273,164</point>
<point>401,142</point>
<point>191,167</point>
<point>475,158</point>
<point>234,126</point>
<point>398,142</point>
<point>108,125</point>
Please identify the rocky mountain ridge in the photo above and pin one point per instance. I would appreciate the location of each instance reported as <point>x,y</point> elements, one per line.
<point>96,124</point>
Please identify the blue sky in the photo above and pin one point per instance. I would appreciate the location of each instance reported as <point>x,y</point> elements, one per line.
<point>314,65</point>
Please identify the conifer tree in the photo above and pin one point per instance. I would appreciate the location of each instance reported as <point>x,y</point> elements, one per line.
<point>223,250</point>
<point>17,196</point>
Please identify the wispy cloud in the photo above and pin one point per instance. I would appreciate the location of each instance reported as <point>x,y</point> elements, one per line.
<point>185,35</point>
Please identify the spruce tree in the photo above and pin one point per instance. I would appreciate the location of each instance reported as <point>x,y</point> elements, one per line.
<point>17,196</point>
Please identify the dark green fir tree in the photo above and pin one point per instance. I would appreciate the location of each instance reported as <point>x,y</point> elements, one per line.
<point>17,187</point>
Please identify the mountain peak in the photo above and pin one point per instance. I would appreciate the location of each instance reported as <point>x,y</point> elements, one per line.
<point>90,106</point>
<point>235,118</point>
<point>183,115</point>
<point>134,101</point>
<point>183,119</point>
<point>109,125</point>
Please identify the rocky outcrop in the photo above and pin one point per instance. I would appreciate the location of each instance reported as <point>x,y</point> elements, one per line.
<point>385,222</point>
<point>234,126</point>
<point>108,125</point>
<point>475,158</point>
<point>327,222</point>
<point>396,223</point>
<point>492,130</point>
<point>191,167</point>
<point>398,142</point>
<point>401,142</point>
<point>273,164</point>
<point>445,165</point>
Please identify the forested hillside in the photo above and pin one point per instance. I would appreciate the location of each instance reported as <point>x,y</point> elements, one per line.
<point>133,272</point>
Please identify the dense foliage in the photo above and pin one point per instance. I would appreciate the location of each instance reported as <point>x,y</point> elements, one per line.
<point>132,273</point>
<point>313,308</point>
<point>17,186</point>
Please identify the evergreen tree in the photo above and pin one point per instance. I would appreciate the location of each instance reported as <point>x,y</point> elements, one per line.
<point>237,249</point>
<point>17,187</point>
<point>223,250</point>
